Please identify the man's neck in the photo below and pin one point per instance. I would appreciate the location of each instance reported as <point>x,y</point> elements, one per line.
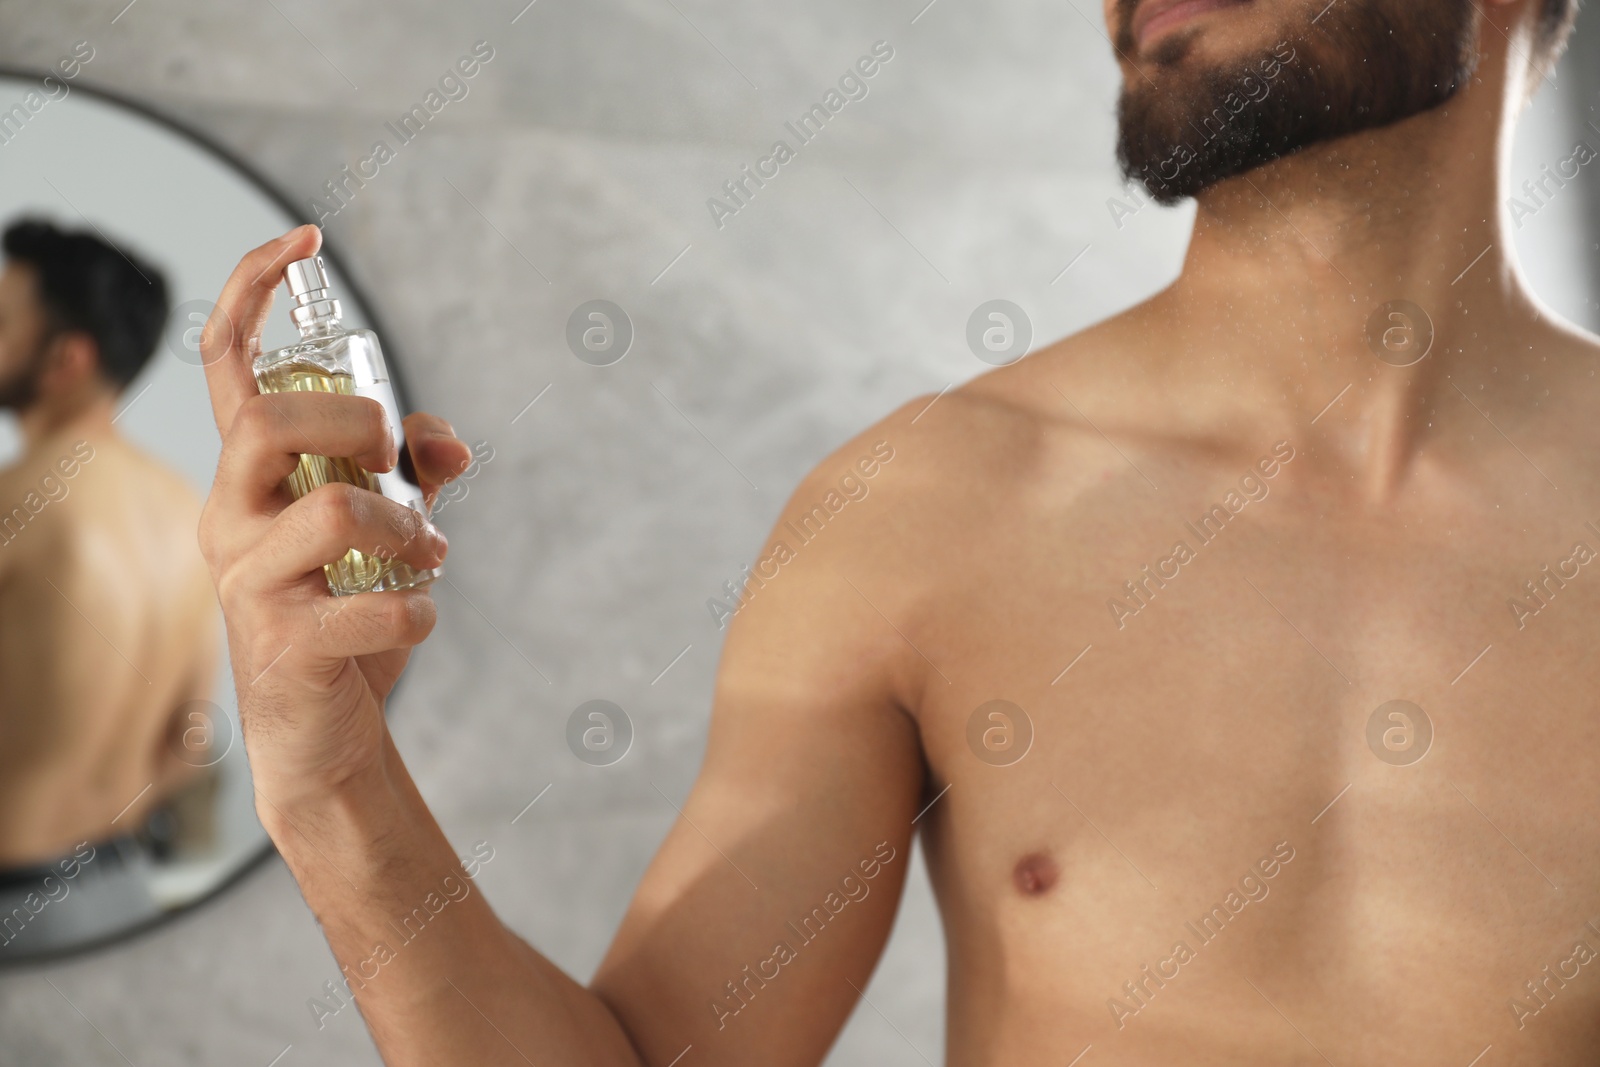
<point>92,417</point>
<point>1290,285</point>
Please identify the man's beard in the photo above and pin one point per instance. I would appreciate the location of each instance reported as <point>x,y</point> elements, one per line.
<point>19,392</point>
<point>1365,64</point>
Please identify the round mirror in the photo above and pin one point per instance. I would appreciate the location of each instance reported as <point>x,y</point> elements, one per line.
<point>123,777</point>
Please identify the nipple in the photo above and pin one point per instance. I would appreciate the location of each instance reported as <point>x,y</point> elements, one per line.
<point>1035,874</point>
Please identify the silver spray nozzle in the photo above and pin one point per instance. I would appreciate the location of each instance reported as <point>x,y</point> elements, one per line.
<point>308,284</point>
<point>308,280</point>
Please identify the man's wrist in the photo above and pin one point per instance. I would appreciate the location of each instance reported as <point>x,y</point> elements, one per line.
<point>366,804</point>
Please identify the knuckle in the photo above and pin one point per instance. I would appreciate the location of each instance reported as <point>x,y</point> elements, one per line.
<point>229,582</point>
<point>257,417</point>
<point>217,335</point>
<point>206,534</point>
<point>337,507</point>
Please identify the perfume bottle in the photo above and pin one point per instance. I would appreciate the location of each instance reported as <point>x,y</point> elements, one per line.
<point>330,359</point>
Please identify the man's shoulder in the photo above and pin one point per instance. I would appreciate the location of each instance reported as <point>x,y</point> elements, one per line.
<point>1031,434</point>
<point>70,485</point>
<point>116,461</point>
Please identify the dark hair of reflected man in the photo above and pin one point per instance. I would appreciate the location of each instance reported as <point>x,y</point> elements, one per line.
<point>87,284</point>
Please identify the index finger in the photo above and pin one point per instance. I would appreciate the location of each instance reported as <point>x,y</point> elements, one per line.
<point>232,334</point>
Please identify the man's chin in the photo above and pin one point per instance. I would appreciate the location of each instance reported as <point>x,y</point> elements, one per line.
<point>1227,104</point>
<point>1206,122</point>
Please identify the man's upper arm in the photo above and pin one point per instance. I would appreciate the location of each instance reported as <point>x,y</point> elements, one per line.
<point>768,905</point>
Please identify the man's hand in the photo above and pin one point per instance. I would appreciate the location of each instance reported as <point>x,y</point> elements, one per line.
<point>312,670</point>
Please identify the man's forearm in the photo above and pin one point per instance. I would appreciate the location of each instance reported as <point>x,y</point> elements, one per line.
<point>438,977</point>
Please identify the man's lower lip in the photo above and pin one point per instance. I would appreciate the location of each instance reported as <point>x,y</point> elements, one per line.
<point>1179,14</point>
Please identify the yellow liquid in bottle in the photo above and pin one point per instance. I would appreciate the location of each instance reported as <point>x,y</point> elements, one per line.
<point>357,571</point>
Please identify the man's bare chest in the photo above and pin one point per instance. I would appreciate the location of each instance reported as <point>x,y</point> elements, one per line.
<point>1137,716</point>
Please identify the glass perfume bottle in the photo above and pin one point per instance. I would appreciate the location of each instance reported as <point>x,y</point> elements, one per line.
<point>330,359</point>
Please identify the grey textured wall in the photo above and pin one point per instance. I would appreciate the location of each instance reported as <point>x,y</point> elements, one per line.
<point>978,167</point>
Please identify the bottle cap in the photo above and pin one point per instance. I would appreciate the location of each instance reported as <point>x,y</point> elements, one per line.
<point>307,278</point>
<point>314,305</point>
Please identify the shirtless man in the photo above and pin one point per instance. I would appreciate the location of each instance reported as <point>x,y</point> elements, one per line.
<point>1199,551</point>
<point>108,621</point>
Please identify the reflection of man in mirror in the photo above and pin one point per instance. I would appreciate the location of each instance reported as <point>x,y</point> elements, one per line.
<point>107,619</point>
<point>1198,544</point>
